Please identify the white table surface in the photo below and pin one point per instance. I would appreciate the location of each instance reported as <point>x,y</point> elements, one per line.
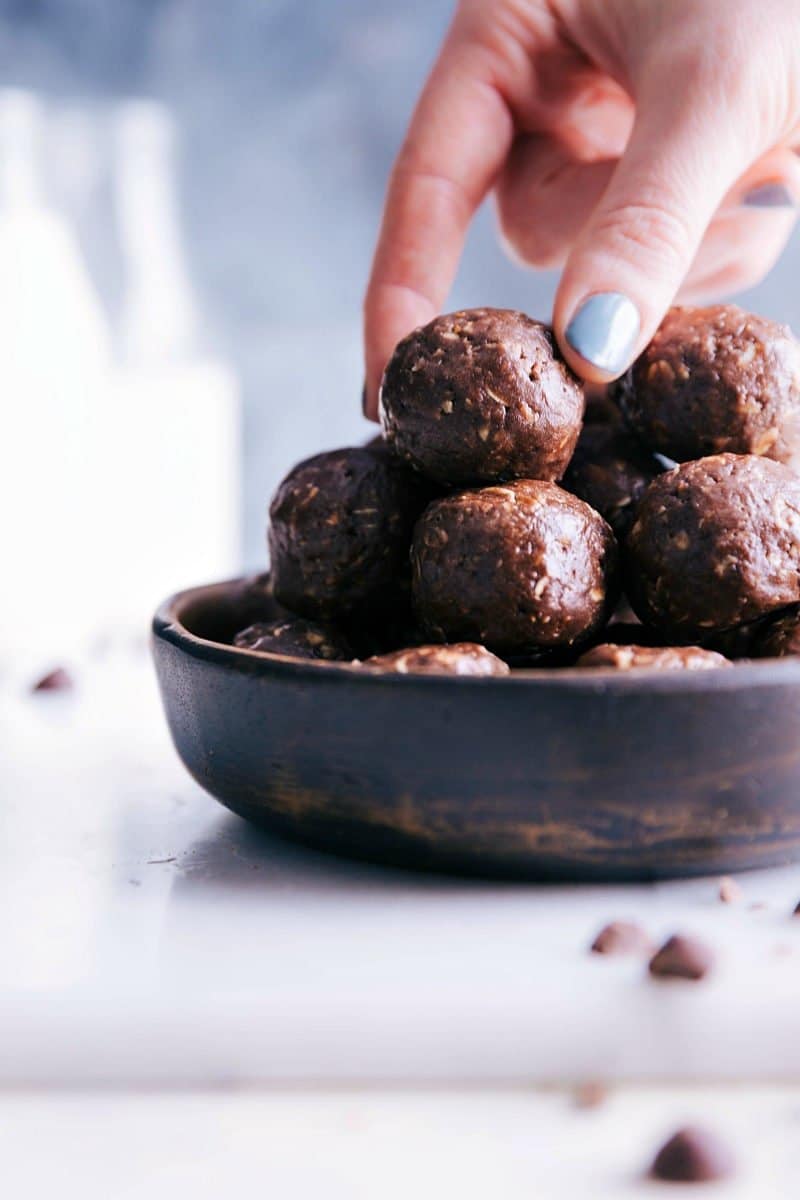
<point>151,939</point>
<point>380,1145</point>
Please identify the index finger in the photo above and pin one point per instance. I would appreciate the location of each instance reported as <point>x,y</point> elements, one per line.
<point>458,139</point>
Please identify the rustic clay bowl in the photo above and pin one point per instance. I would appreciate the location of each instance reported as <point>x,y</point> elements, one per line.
<point>542,774</point>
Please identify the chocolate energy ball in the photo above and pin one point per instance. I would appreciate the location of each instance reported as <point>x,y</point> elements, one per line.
<point>519,567</point>
<point>601,407</point>
<point>610,470</point>
<point>663,658</point>
<point>480,396</point>
<point>739,642</point>
<point>296,637</point>
<point>779,637</point>
<point>340,529</point>
<point>630,633</point>
<point>715,543</point>
<point>713,380</point>
<point>254,601</point>
<point>462,658</point>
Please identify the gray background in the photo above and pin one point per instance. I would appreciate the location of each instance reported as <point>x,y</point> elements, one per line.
<point>289,112</point>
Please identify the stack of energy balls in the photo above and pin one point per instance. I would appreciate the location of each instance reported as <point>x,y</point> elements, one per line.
<point>503,522</point>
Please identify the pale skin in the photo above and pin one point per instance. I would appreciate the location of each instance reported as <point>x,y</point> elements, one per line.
<point>644,147</point>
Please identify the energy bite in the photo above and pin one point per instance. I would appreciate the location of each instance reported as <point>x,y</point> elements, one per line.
<point>461,658</point>
<point>663,658</point>
<point>779,637</point>
<point>716,543</point>
<point>340,529</point>
<point>716,379</point>
<point>629,633</point>
<point>610,470</point>
<point>295,637</point>
<point>481,396</point>
<point>601,407</point>
<point>520,567</point>
<point>254,601</point>
<point>736,643</point>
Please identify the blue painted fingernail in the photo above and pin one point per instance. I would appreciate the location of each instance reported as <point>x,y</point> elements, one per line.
<point>604,331</point>
<point>769,195</point>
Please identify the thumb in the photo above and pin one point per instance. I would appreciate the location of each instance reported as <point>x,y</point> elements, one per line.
<point>637,246</point>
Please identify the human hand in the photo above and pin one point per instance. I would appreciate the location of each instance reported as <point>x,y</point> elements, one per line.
<point>643,146</point>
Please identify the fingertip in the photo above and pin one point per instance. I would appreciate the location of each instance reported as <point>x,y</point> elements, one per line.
<point>600,335</point>
<point>391,311</point>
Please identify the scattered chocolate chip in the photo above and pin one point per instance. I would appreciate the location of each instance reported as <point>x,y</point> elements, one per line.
<point>693,1155</point>
<point>58,680</point>
<point>621,937</point>
<point>729,890</point>
<point>682,958</point>
<point>590,1094</point>
<point>796,912</point>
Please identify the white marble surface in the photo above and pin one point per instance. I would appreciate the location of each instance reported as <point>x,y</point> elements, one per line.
<point>347,1145</point>
<point>150,938</point>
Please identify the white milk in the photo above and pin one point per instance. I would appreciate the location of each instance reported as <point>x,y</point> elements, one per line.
<point>174,411</point>
<point>54,361</point>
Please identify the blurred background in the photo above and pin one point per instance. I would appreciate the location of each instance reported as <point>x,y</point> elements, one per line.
<point>189,194</point>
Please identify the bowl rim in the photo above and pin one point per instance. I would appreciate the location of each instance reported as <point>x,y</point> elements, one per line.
<point>167,626</point>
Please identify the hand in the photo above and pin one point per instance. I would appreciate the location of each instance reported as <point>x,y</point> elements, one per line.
<point>643,145</point>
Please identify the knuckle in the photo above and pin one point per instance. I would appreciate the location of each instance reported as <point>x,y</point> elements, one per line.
<point>646,231</point>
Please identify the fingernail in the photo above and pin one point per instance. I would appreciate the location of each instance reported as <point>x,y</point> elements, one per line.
<point>769,195</point>
<point>604,331</point>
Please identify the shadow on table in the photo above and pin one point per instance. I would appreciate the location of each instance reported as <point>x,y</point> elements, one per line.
<point>233,855</point>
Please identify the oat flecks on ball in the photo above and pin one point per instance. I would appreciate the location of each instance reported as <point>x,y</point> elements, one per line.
<point>297,638</point>
<point>340,529</point>
<point>461,658</point>
<point>481,396</point>
<point>610,470</point>
<point>779,637</point>
<point>715,543</point>
<point>716,380</point>
<point>519,567</point>
<point>661,658</point>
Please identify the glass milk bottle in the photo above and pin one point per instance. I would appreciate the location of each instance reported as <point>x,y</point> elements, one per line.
<point>175,410</point>
<point>54,359</point>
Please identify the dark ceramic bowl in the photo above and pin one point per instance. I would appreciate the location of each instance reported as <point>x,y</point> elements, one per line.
<point>542,774</point>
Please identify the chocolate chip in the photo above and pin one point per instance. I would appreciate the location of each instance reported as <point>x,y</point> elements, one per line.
<point>58,680</point>
<point>682,958</point>
<point>693,1155</point>
<point>797,909</point>
<point>729,890</point>
<point>590,1094</point>
<point>621,937</point>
